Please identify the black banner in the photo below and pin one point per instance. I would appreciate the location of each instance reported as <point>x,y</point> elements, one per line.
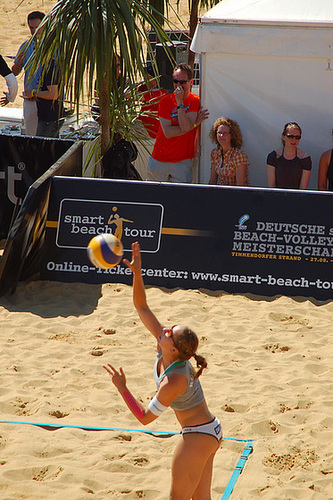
<point>23,160</point>
<point>21,258</point>
<point>240,240</point>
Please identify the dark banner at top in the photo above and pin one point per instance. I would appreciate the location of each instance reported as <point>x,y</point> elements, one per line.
<point>239,240</point>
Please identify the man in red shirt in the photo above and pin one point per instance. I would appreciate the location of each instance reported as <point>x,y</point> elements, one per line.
<point>180,115</point>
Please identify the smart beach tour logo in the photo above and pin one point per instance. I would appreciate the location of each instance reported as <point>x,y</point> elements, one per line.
<point>241,222</point>
<point>81,220</point>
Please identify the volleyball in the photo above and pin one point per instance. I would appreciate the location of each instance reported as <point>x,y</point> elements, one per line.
<point>105,250</point>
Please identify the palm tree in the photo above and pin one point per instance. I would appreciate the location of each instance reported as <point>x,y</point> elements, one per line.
<point>86,37</point>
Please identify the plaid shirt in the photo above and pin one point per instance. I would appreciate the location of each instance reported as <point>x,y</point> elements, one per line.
<point>232,159</point>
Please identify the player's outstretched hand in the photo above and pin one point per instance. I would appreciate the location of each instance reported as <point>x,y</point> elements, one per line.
<point>118,377</point>
<point>135,264</point>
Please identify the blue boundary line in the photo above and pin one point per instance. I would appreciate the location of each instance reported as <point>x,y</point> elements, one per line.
<point>235,475</point>
<point>84,427</point>
<point>89,428</point>
<point>238,469</point>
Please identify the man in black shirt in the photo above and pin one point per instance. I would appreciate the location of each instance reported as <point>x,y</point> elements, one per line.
<point>49,108</point>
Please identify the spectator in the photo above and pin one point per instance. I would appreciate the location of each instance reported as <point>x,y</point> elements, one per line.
<point>49,108</point>
<point>175,146</point>
<point>229,164</point>
<point>325,173</point>
<point>289,167</point>
<point>11,83</point>
<point>23,57</point>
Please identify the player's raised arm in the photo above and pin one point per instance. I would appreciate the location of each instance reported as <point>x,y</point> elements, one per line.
<point>147,317</point>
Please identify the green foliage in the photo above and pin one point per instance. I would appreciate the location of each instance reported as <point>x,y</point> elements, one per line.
<point>85,37</point>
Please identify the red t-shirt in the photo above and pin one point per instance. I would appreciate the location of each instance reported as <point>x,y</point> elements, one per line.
<point>179,148</point>
<point>150,108</point>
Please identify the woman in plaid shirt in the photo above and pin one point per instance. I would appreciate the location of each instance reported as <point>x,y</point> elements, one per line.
<point>229,164</point>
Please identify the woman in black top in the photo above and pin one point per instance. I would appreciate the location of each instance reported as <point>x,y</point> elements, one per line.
<point>289,167</point>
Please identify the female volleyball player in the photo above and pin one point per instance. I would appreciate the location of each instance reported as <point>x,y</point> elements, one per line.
<point>177,386</point>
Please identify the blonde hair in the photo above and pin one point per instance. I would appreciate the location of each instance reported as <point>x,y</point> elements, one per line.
<point>234,128</point>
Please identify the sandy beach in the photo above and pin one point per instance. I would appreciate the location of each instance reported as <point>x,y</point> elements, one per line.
<point>269,379</point>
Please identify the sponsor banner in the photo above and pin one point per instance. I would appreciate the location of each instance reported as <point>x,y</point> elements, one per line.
<point>25,242</point>
<point>112,218</point>
<point>239,240</point>
<point>23,159</point>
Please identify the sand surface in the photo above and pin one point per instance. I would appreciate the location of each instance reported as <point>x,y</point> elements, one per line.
<point>269,379</point>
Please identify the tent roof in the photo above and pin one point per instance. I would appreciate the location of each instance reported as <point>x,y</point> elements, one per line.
<point>273,28</point>
<point>268,12</point>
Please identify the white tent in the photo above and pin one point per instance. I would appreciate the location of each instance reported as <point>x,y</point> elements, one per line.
<point>265,63</point>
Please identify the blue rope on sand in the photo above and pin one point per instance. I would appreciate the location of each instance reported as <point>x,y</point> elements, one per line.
<point>89,428</point>
<point>230,486</point>
<point>54,427</point>
<point>238,470</point>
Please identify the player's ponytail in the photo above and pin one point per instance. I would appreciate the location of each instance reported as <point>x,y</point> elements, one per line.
<point>201,364</point>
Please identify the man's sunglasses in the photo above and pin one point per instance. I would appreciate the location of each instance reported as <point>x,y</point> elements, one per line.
<point>182,82</point>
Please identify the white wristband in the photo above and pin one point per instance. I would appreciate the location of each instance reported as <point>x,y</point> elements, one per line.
<point>156,407</point>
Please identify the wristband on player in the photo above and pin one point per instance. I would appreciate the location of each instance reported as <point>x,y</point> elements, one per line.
<point>156,407</point>
<point>133,404</point>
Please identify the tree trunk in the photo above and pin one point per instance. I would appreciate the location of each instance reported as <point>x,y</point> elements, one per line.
<point>105,120</point>
<point>192,25</point>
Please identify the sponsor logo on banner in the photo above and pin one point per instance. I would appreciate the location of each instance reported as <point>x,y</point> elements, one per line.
<point>81,220</point>
<point>241,225</point>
